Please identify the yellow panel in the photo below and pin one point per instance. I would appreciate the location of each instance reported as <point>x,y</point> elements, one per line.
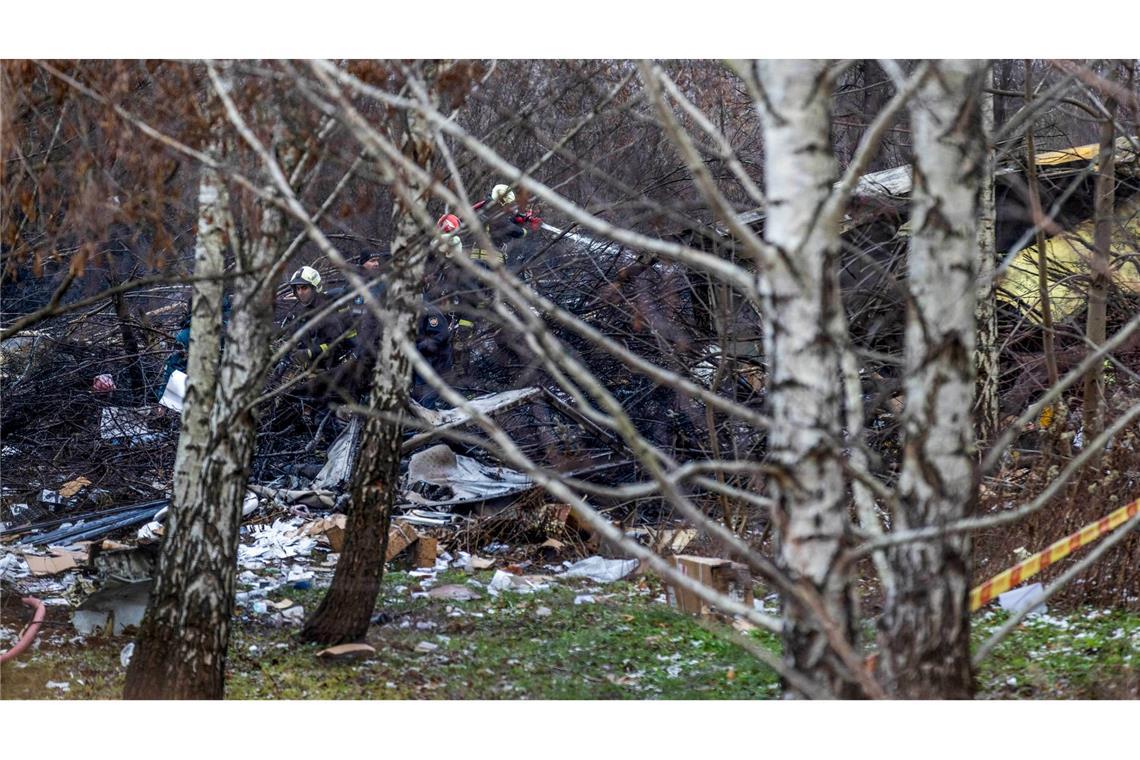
<point>1077,153</point>
<point>1068,255</point>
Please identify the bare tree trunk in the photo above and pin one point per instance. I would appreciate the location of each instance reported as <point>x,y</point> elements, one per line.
<point>1096,326</point>
<point>986,354</point>
<point>177,651</point>
<point>924,630</point>
<point>804,371</point>
<point>346,609</point>
<point>1038,218</point>
<point>181,649</point>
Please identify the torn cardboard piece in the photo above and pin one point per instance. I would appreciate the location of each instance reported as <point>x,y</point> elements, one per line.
<point>60,561</point>
<point>673,541</point>
<point>424,552</point>
<point>72,487</point>
<point>400,536</point>
<point>346,651</point>
<point>725,576</point>
<point>331,527</point>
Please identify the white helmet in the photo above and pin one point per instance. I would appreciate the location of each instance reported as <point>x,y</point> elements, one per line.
<point>306,276</point>
<point>503,194</point>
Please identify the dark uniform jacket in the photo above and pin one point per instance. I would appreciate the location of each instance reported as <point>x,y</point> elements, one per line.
<point>331,339</point>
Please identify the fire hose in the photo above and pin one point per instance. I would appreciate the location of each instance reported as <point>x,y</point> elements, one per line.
<point>29,633</point>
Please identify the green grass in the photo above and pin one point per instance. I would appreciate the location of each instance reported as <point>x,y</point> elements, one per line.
<point>625,645</point>
<point>1090,654</point>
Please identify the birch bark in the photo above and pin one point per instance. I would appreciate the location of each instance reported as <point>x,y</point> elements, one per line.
<point>181,648</point>
<point>804,370</point>
<point>924,629</point>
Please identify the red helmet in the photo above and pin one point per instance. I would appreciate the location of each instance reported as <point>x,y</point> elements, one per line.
<point>447,223</point>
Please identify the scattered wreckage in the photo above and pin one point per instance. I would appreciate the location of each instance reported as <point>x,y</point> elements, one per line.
<point>291,536</point>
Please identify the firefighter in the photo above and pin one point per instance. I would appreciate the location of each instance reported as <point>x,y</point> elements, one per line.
<point>505,225</point>
<point>328,343</point>
<point>433,341</point>
<point>433,332</point>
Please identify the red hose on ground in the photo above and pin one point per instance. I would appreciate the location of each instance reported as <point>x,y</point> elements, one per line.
<point>29,632</point>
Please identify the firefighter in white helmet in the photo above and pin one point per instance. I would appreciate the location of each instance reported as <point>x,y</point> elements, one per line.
<point>329,342</point>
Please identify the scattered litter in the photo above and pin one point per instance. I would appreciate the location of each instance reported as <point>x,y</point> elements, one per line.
<point>50,497</point>
<point>60,561</point>
<point>61,685</point>
<point>465,478</point>
<point>1022,598</point>
<point>281,540</point>
<point>346,651</point>
<point>426,646</point>
<point>284,604</point>
<point>331,527</point>
<point>584,599</point>
<point>673,541</point>
<point>125,655</point>
<point>151,533</point>
<point>295,614</point>
<point>523,584</point>
<point>543,612</point>
<point>601,570</point>
<point>454,592</point>
<point>72,487</point>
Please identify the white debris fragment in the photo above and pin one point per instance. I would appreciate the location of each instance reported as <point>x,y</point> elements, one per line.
<point>125,655</point>
<point>601,570</point>
<point>61,685</point>
<point>426,646</point>
<point>584,599</point>
<point>523,584</point>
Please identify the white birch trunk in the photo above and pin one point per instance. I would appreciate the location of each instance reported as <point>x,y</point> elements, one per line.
<point>804,370</point>
<point>182,645</point>
<point>986,353</point>
<point>925,625</point>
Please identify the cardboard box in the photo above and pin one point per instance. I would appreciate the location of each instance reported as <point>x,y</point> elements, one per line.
<point>729,578</point>
<point>424,552</point>
<point>400,537</point>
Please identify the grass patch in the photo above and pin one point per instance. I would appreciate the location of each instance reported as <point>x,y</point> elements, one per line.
<point>623,645</point>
